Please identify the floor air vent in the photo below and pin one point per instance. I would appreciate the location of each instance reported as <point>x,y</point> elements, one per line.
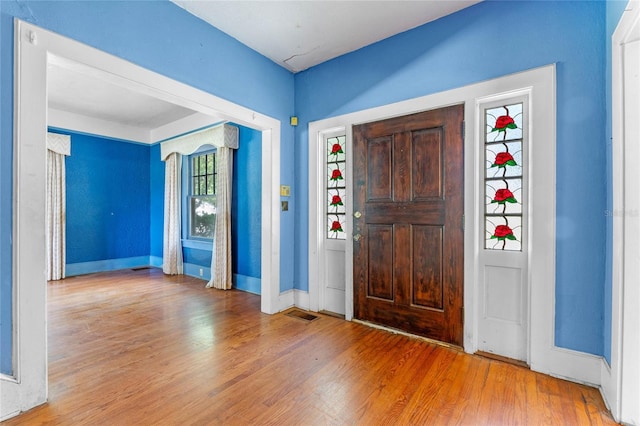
<point>304,316</point>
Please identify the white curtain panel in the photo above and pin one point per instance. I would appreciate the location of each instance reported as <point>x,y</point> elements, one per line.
<point>221,253</point>
<point>172,244</point>
<point>225,138</point>
<point>58,147</point>
<point>56,216</point>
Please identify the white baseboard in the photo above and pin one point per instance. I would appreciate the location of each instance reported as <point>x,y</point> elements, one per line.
<point>609,389</point>
<point>571,365</point>
<point>293,298</point>
<point>7,416</point>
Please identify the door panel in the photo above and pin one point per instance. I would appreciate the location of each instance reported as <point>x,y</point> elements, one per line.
<point>408,265</point>
<point>379,178</point>
<point>427,267</point>
<point>381,262</point>
<point>333,290</point>
<point>427,164</point>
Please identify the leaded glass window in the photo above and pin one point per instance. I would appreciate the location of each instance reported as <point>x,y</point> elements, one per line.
<point>202,198</point>
<point>335,178</point>
<point>503,147</point>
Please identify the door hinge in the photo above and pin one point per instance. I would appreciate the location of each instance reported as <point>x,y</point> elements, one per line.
<point>463,222</point>
<point>464,129</point>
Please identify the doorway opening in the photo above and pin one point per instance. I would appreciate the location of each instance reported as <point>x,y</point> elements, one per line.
<point>541,353</point>
<point>408,254</point>
<point>27,386</point>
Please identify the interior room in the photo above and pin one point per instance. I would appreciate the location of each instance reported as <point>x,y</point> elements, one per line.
<point>436,176</point>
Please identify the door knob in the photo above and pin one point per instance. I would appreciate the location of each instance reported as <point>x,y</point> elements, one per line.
<point>356,237</point>
<point>357,215</point>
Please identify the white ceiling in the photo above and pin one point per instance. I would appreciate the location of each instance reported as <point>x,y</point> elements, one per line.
<point>88,100</point>
<point>117,103</point>
<point>300,34</point>
<point>294,34</point>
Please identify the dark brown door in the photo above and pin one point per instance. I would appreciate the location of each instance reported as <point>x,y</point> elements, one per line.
<point>408,206</point>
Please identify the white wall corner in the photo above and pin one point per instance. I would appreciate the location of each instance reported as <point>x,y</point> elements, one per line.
<point>293,298</point>
<point>286,300</point>
<point>301,299</point>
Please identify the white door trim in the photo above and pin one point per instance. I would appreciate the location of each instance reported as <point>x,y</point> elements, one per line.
<point>33,48</point>
<point>544,356</point>
<point>621,380</point>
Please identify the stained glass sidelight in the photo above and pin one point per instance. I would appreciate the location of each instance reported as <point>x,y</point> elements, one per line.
<point>336,161</point>
<point>503,177</point>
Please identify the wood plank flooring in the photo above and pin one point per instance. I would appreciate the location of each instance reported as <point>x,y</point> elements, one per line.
<point>140,348</point>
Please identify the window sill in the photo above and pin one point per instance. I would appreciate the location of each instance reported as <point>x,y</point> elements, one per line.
<point>197,244</point>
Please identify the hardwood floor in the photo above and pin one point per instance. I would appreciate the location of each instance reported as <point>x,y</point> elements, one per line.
<point>139,348</point>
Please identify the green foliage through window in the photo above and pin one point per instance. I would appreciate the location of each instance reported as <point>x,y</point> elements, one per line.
<point>202,200</point>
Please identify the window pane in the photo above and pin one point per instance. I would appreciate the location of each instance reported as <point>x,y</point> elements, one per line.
<point>335,175</point>
<point>504,196</point>
<point>203,174</point>
<point>503,177</point>
<point>210,185</point>
<point>503,233</point>
<point>194,166</point>
<point>335,199</point>
<point>210,163</point>
<point>203,216</point>
<point>504,123</point>
<point>336,149</point>
<point>504,159</point>
<point>335,227</point>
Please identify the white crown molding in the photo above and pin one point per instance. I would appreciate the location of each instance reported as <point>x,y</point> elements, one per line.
<point>96,126</point>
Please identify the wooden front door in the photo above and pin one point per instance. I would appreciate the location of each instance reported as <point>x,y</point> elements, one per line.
<point>408,223</point>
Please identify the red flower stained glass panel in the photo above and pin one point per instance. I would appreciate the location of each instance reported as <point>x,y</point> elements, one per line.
<point>336,189</point>
<point>503,146</point>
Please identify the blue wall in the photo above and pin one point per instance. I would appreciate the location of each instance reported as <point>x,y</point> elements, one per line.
<point>162,37</point>
<point>156,194</point>
<point>107,199</point>
<point>485,41</point>
<point>6,184</point>
<point>120,215</point>
<point>246,208</point>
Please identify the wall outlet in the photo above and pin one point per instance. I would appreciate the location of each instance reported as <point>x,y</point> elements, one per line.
<point>201,272</point>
